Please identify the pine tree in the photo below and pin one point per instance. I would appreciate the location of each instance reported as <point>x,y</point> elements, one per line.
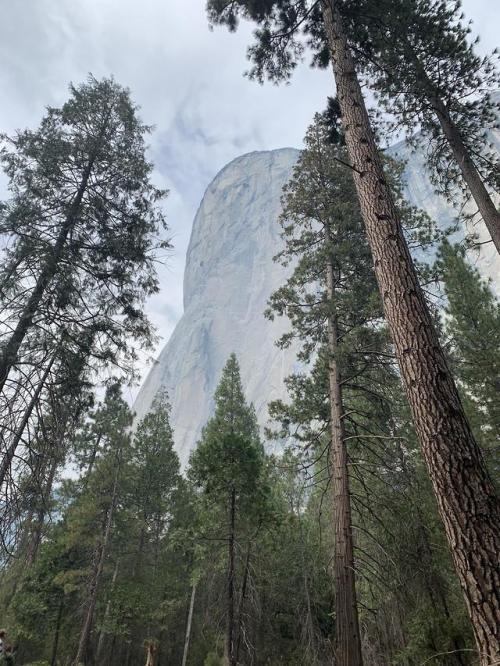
<point>95,512</point>
<point>82,224</point>
<point>332,303</point>
<point>472,329</point>
<point>228,466</point>
<point>469,507</point>
<point>83,221</point>
<point>154,484</point>
<point>419,59</point>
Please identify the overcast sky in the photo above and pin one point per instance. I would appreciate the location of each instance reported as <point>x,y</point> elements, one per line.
<point>187,80</point>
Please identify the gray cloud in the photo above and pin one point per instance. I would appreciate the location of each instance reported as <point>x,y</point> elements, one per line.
<point>188,81</point>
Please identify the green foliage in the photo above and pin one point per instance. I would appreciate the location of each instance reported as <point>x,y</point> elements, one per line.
<point>472,330</point>
<point>81,230</point>
<point>230,455</point>
<point>417,52</point>
<point>411,52</point>
<point>83,222</point>
<point>212,659</point>
<point>401,556</point>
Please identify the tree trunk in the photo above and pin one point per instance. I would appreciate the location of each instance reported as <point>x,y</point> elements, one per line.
<point>36,535</point>
<point>8,456</point>
<point>151,653</point>
<point>229,653</point>
<point>102,633</point>
<point>188,626</point>
<point>347,636</point>
<point>242,602</point>
<point>470,174</point>
<point>95,580</point>
<point>465,496</point>
<point>9,354</point>
<point>55,644</point>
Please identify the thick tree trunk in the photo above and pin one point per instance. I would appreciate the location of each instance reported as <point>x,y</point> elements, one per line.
<point>465,496</point>
<point>95,580</point>
<point>347,636</point>
<point>229,651</point>
<point>188,626</point>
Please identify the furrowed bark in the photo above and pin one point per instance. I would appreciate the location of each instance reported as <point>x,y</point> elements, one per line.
<point>347,636</point>
<point>229,656</point>
<point>465,496</point>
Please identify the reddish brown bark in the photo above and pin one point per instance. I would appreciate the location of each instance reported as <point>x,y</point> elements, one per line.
<point>347,636</point>
<point>466,499</point>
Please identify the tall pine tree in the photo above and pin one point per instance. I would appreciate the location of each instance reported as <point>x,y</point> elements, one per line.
<point>468,504</point>
<point>228,466</point>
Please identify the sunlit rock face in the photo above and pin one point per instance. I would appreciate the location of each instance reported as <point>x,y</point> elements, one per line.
<point>228,279</point>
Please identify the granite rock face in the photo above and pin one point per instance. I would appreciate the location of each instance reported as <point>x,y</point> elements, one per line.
<point>229,276</point>
<point>228,279</point>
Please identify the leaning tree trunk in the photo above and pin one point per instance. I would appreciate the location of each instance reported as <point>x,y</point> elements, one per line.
<point>465,495</point>
<point>347,636</point>
<point>189,625</point>
<point>10,351</point>
<point>9,454</point>
<point>229,648</point>
<point>470,174</point>
<point>95,580</point>
<point>463,158</point>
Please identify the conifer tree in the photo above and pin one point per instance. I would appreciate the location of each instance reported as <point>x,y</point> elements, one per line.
<point>467,502</point>
<point>82,222</point>
<point>472,329</point>
<point>228,467</point>
<point>95,512</point>
<point>330,300</point>
<point>154,484</point>
<point>419,59</point>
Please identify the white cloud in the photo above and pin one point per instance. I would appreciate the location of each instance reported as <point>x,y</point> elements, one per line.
<point>187,80</point>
